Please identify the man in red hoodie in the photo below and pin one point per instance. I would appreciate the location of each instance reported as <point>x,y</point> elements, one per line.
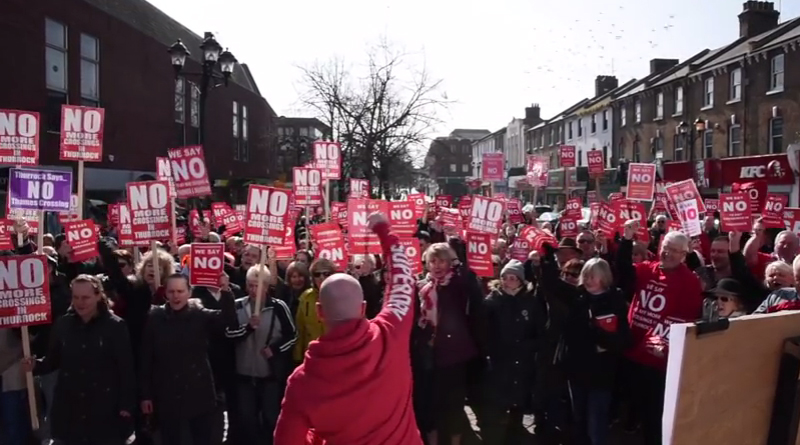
<point>354,386</point>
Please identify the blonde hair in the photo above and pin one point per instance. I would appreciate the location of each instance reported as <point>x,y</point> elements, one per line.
<point>599,268</point>
<point>166,264</point>
<point>781,266</point>
<point>439,250</point>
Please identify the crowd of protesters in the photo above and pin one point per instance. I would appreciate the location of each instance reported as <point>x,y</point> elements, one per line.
<point>576,335</point>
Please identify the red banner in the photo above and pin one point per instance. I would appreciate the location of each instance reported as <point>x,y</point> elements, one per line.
<point>150,211</point>
<point>81,133</point>
<point>82,238</point>
<point>267,213</point>
<point>206,264</point>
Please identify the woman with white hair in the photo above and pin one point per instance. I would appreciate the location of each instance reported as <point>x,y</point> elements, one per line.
<point>594,335</point>
<point>663,292</point>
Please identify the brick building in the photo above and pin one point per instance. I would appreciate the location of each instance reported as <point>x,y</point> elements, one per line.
<point>721,110</point>
<point>113,54</point>
<point>449,161</point>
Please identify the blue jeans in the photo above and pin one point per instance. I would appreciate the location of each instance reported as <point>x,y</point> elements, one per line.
<point>590,413</point>
<point>14,417</point>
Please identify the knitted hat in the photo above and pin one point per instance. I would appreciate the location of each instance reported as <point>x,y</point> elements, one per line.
<point>516,268</point>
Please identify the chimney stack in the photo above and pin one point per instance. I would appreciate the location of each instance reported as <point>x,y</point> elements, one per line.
<point>757,18</point>
<point>532,115</point>
<point>661,65</point>
<point>604,84</point>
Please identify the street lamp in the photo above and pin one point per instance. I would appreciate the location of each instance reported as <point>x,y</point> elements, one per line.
<point>213,58</point>
<point>691,134</point>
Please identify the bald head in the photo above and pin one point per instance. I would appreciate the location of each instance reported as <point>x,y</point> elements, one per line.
<point>341,298</point>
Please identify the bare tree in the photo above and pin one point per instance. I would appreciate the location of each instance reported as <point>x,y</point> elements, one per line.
<point>381,117</point>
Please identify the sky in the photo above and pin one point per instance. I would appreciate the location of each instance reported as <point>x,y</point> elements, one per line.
<point>494,57</point>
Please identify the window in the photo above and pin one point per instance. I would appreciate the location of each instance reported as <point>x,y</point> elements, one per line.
<point>55,99</point>
<point>605,154</point>
<point>677,145</point>
<point>637,157</point>
<point>235,119</point>
<point>736,84</point>
<point>452,168</point>
<point>593,124</point>
<point>637,109</point>
<point>90,71</point>
<point>659,105</point>
<point>465,168</point>
<point>623,116</point>
<point>605,120</point>
<point>708,92</point>
<point>580,158</point>
<point>679,100</point>
<point>55,56</point>
<point>735,141</point>
<point>708,144</point>
<point>552,136</point>
<point>244,147</point>
<point>776,82</point>
<point>569,130</point>
<point>194,105</point>
<point>776,135</point>
<point>658,147</point>
<point>560,134</point>
<point>180,98</point>
<point>580,127</point>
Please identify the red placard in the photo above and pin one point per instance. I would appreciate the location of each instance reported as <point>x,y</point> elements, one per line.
<point>82,133</point>
<point>289,248</point>
<point>444,201</point>
<point>330,244</point>
<point>712,205</point>
<point>520,249</point>
<point>189,173</point>
<point>479,254</point>
<point>339,213</point>
<point>267,213</point>
<point>72,214</point>
<point>493,167</point>
<point>514,210</point>
<point>307,186</point>
<point>413,252</point>
<point>573,209</point>
<point>328,158</point>
<point>791,219</point>
<point>756,190</point>
<point>164,173</point>
<point>596,163</point>
<point>24,291</point>
<point>641,181</point>
<point>568,227</point>
<point>225,216</point>
<point>150,211</point>
<point>82,238</point>
<point>19,137</point>
<point>734,213</point>
<point>126,228</point>
<point>451,220</point>
<point>772,215</point>
<point>684,191</point>
<point>6,233</point>
<point>607,219</point>
<point>419,204</point>
<point>401,217</point>
<point>536,170</point>
<point>359,188</point>
<point>566,155</point>
<point>464,206</point>
<point>207,263</point>
<point>626,210</point>
<point>486,215</point>
<point>362,240</point>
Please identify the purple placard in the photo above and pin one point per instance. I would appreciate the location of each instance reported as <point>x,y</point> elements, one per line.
<point>37,189</point>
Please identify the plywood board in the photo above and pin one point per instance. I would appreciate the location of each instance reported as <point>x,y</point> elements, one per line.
<point>721,386</point>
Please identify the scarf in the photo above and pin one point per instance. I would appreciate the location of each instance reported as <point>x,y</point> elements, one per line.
<point>429,299</point>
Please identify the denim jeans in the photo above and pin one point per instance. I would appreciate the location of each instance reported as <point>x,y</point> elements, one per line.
<point>590,414</point>
<point>14,417</point>
<point>259,406</point>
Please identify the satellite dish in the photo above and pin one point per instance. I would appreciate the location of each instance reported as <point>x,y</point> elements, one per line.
<point>793,153</point>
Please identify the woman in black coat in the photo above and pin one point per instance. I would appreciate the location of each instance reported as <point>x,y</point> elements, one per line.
<point>95,391</point>
<point>595,334</point>
<point>514,326</point>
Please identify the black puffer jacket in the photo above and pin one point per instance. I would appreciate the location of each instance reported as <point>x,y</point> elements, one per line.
<point>175,370</point>
<point>95,381</point>
<point>514,327</point>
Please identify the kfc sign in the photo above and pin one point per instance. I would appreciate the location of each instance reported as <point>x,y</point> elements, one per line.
<point>774,169</point>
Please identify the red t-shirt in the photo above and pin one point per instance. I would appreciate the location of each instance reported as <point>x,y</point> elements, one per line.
<point>759,269</point>
<point>660,299</point>
<point>360,365</point>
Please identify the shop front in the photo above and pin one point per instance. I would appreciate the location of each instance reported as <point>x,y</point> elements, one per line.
<point>557,192</point>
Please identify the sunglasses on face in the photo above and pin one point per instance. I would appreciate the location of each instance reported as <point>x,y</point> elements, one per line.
<point>322,274</point>
<point>723,299</point>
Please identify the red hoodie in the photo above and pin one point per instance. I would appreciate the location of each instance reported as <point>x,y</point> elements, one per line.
<point>354,386</point>
<point>661,298</point>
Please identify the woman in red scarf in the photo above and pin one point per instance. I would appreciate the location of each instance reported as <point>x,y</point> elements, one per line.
<point>445,345</point>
